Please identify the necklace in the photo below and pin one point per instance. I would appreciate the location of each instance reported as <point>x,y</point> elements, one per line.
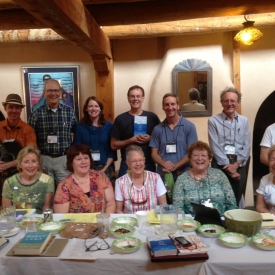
<point>131,178</point>
<point>28,182</point>
<point>198,179</point>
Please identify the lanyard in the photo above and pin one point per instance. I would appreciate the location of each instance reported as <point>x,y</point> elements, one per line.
<point>172,130</point>
<point>201,186</point>
<point>230,133</point>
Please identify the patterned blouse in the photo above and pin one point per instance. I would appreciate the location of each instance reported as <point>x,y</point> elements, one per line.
<point>69,191</point>
<point>139,199</point>
<point>214,186</point>
<point>28,196</point>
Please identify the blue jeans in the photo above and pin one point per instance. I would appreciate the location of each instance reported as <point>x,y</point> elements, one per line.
<point>149,165</point>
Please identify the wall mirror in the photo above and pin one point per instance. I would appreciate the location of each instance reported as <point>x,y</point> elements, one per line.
<point>193,73</point>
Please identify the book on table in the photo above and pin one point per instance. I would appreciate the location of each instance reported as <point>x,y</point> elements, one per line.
<point>161,246</point>
<point>195,245</point>
<point>32,244</point>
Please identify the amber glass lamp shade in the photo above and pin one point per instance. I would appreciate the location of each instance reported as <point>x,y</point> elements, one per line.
<point>249,34</point>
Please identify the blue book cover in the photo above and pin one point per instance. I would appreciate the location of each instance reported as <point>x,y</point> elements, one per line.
<point>140,125</point>
<point>163,247</point>
<point>33,243</point>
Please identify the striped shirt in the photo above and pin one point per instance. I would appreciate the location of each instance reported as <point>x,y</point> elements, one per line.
<point>143,199</point>
<point>46,123</point>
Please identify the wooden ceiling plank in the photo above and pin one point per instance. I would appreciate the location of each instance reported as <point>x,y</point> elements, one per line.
<point>70,19</point>
<point>93,2</point>
<point>163,10</point>
<point>18,19</point>
<point>186,27</point>
<point>8,4</point>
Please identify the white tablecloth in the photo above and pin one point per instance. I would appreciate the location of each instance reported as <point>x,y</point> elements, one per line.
<point>222,260</point>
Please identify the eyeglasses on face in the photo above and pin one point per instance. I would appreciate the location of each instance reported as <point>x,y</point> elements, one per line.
<point>94,247</point>
<point>135,161</point>
<point>55,91</point>
<point>227,101</point>
<point>135,96</point>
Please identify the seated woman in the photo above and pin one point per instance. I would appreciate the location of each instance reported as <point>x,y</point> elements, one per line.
<point>202,184</point>
<point>29,188</point>
<point>85,190</point>
<point>138,189</point>
<point>266,191</point>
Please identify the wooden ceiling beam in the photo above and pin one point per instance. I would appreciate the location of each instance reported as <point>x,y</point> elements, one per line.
<point>186,27</point>
<point>169,10</point>
<point>71,20</point>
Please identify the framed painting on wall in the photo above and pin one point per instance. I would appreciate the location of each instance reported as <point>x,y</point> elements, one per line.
<point>33,85</point>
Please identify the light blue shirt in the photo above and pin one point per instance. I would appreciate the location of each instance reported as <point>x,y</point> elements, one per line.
<point>221,131</point>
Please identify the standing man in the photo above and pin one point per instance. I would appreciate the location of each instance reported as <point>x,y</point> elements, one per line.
<point>54,124</point>
<point>170,139</point>
<point>229,139</point>
<point>14,133</point>
<point>134,127</point>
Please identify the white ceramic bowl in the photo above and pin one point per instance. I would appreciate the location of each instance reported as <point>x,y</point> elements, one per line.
<point>188,225</point>
<point>53,227</point>
<point>207,228</point>
<point>126,245</point>
<point>233,240</point>
<point>265,242</point>
<point>23,223</point>
<point>125,220</point>
<point>117,230</point>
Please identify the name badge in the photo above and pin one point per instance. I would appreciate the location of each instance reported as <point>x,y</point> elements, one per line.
<point>229,149</point>
<point>52,139</point>
<point>207,203</point>
<point>171,147</point>
<point>96,155</point>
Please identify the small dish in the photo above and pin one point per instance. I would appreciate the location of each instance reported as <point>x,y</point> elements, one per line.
<point>11,233</point>
<point>125,220</point>
<point>188,225</point>
<point>265,242</point>
<point>233,240</point>
<point>53,227</point>
<point>211,230</point>
<point>121,231</point>
<point>23,223</point>
<point>126,245</point>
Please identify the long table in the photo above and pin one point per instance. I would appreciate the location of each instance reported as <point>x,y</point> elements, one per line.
<point>222,260</point>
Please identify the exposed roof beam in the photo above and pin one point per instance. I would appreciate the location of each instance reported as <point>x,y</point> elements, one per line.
<point>184,27</point>
<point>10,4</point>
<point>170,10</point>
<point>19,19</point>
<point>70,19</point>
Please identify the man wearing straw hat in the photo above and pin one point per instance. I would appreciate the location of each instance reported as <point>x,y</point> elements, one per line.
<point>14,133</point>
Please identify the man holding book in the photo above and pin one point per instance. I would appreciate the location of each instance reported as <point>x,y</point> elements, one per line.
<point>134,127</point>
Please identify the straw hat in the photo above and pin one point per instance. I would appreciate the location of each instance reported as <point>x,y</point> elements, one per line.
<point>13,99</point>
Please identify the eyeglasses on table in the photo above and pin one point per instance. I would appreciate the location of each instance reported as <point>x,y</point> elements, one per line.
<point>94,246</point>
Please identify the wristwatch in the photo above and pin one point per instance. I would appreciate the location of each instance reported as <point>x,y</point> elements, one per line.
<point>240,163</point>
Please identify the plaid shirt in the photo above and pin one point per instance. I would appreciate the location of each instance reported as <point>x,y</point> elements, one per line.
<point>47,122</point>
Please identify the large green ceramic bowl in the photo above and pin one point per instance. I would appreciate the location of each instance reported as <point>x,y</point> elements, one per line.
<point>243,221</point>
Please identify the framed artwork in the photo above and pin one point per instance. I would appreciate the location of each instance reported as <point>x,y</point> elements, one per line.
<point>33,85</point>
